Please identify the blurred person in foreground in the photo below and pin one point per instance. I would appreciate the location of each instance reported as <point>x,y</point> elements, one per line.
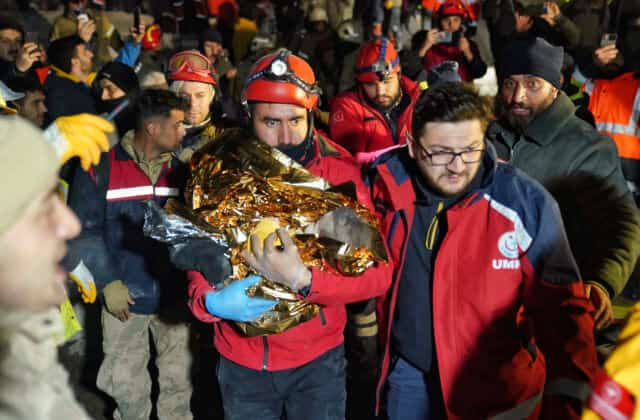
<point>34,226</point>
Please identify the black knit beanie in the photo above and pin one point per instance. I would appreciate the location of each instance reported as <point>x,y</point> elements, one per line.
<point>535,57</point>
<point>121,75</point>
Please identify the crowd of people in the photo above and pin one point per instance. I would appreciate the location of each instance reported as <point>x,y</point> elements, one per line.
<point>510,222</point>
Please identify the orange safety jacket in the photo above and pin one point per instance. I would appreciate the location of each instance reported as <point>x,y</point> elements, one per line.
<point>615,105</point>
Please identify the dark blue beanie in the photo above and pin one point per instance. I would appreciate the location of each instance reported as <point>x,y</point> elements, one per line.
<point>535,57</point>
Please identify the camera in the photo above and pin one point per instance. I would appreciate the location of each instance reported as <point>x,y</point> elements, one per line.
<point>446,37</point>
<point>608,39</point>
<point>81,16</point>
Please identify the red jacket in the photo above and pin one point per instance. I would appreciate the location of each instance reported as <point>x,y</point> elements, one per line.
<point>467,71</point>
<point>307,341</point>
<point>510,318</point>
<point>358,127</point>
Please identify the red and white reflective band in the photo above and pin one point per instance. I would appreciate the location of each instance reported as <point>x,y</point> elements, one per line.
<point>142,192</point>
<point>610,400</point>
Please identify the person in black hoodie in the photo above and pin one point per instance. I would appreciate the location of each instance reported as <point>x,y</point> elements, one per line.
<point>115,84</point>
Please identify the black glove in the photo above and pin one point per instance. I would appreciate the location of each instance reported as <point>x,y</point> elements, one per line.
<point>203,255</point>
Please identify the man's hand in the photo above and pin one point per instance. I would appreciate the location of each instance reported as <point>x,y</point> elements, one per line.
<point>553,11</point>
<point>28,54</point>
<point>82,135</point>
<point>231,73</point>
<point>605,55</point>
<point>599,297</point>
<point>233,304</point>
<point>281,264</point>
<point>137,34</point>
<point>117,300</point>
<point>432,39</point>
<point>86,29</point>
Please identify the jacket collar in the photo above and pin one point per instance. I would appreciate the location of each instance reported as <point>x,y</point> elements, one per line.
<point>126,150</point>
<point>64,75</point>
<point>544,128</point>
<point>408,87</point>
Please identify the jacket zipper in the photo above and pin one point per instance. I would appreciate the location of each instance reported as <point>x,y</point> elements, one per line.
<point>323,319</point>
<point>512,150</point>
<point>393,127</point>
<point>265,354</point>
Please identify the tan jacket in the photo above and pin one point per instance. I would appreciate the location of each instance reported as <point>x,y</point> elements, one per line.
<point>33,384</point>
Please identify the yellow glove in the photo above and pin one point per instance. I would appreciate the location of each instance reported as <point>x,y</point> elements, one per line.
<point>83,278</point>
<point>82,135</point>
<point>69,321</point>
<point>623,368</point>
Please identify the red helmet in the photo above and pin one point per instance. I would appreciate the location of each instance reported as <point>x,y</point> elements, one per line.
<point>282,77</point>
<point>191,66</point>
<point>376,61</point>
<point>451,8</point>
<point>152,38</point>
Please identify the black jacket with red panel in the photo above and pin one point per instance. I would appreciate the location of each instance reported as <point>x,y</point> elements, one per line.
<point>109,200</point>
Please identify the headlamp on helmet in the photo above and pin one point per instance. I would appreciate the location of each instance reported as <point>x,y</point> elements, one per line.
<point>282,77</point>
<point>377,61</point>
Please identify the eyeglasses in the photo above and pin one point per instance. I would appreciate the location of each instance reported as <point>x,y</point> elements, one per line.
<point>446,158</point>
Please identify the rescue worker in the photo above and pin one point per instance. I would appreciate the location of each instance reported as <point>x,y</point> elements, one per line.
<point>142,292</point>
<point>539,134</point>
<point>301,370</point>
<point>452,21</point>
<point>376,114</point>
<point>191,76</point>
<point>430,8</point>
<point>615,105</point>
<point>486,312</point>
<point>34,226</point>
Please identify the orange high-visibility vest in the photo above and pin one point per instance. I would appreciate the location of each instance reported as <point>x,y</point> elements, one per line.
<point>615,105</point>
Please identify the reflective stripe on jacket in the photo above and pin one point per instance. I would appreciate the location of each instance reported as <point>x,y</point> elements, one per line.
<point>615,105</point>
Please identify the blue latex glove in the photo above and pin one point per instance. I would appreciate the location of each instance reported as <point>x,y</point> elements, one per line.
<point>233,304</point>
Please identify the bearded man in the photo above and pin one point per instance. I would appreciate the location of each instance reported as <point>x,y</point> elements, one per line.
<point>539,134</point>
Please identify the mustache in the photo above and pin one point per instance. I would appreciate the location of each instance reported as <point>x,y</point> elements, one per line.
<point>519,106</point>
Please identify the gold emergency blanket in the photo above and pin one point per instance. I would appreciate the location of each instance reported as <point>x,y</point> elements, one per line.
<point>237,182</point>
